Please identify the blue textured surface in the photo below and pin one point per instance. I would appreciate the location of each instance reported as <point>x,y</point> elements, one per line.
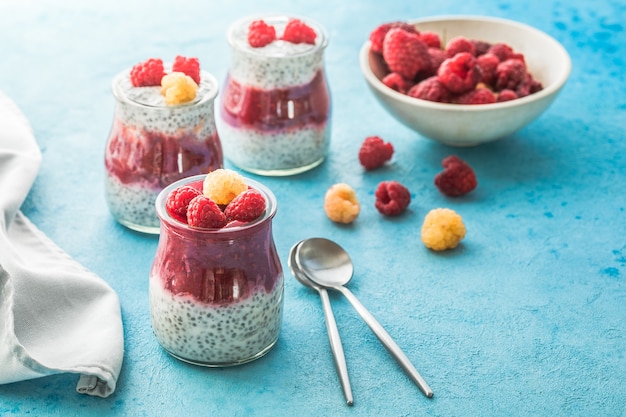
<point>527,317</point>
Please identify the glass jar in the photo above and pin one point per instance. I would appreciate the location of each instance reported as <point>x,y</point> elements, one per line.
<point>275,106</point>
<point>152,144</point>
<point>216,295</point>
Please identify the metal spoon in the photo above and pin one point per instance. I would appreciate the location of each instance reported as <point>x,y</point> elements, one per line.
<point>329,265</point>
<point>331,326</point>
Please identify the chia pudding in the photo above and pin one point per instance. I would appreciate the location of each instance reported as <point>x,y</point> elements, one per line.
<point>216,295</point>
<point>275,107</point>
<point>152,144</point>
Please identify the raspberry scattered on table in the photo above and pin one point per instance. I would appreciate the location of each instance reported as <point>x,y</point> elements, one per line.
<point>341,204</point>
<point>374,152</point>
<point>223,185</point>
<point>148,73</point>
<point>260,34</point>
<point>442,229</point>
<point>457,178</point>
<point>392,198</point>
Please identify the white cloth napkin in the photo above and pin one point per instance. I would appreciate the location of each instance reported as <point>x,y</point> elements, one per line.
<point>55,315</point>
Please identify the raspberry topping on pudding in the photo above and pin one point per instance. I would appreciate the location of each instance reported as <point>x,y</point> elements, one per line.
<point>148,73</point>
<point>260,34</point>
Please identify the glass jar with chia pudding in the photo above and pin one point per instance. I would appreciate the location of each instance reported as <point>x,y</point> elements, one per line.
<point>153,144</point>
<point>216,295</point>
<point>275,104</point>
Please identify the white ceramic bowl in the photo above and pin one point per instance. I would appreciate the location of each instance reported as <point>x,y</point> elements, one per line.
<point>469,125</point>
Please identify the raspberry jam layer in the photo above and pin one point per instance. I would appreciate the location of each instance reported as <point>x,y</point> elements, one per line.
<point>136,155</point>
<point>217,266</point>
<point>276,109</point>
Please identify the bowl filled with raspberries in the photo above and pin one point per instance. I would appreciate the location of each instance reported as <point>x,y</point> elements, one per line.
<point>463,80</point>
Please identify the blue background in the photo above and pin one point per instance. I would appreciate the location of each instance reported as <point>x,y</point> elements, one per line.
<point>526,317</point>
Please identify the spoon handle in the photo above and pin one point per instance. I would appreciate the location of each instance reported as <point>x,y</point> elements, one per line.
<point>387,341</point>
<point>336,346</point>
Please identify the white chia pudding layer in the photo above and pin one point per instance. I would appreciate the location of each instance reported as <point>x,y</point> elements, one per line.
<point>287,151</point>
<point>132,204</point>
<point>279,64</point>
<point>145,108</point>
<point>216,335</point>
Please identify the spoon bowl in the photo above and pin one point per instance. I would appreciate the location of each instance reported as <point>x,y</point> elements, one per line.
<point>324,262</point>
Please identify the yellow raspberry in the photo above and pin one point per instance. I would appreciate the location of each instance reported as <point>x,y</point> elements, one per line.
<point>178,88</point>
<point>223,185</point>
<point>341,204</point>
<point>442,229</point>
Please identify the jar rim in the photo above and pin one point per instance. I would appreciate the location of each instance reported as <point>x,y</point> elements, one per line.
<point>165,217</point>
<point>205,76</point>
<point>281,19</point>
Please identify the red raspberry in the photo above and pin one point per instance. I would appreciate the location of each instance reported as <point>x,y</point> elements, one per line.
<point>260,34</point>
<point>395,81</point>
<point>509,74</point>
<point>377,36</point>
<point>431,39</point>
<point>459,44</point>
<point>506,95</point>
<point>188,66</point>
<point>148,73</point>
<point>488,63</point>
<point>477,96</point>
<point>178,201</point>
<point>204,213</point>
<point>437,56</point>
<point>246,207</point>
<point>392,198</point>
<point>458,177</point>
<point>431,89</point>
<point>480,47</point>
<point>501,50</point>
<point>374,152</point>
<point>297,31</point>
<point>405,53</point>
<point>459,73</point>
<point>528,86</point>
